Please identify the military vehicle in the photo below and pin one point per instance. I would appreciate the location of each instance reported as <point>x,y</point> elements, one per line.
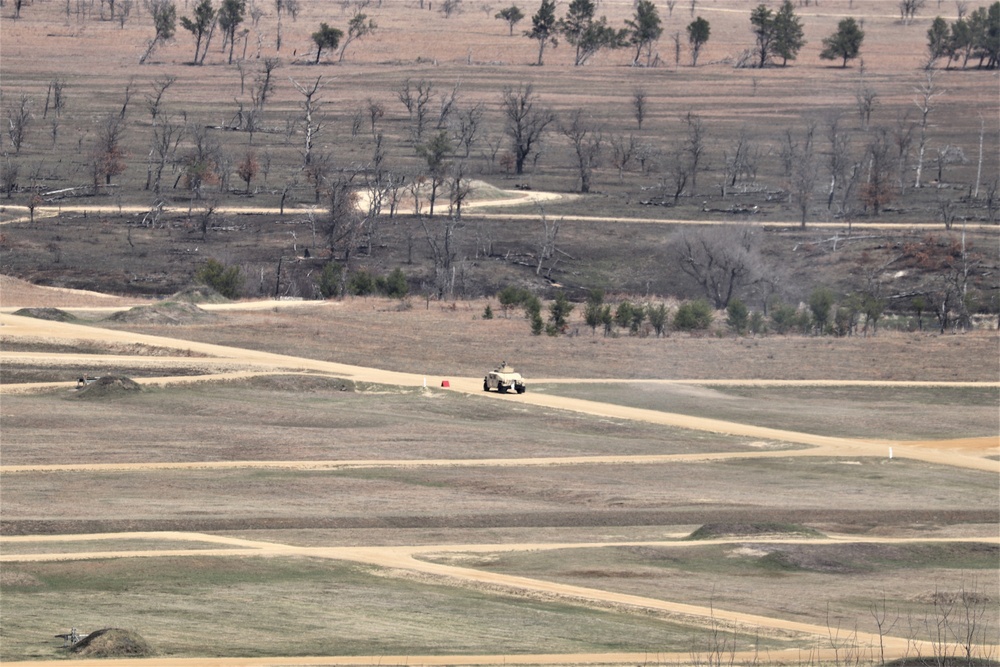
<point>504,378</point>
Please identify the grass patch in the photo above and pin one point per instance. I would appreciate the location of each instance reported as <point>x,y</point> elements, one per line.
<point>907,413</point>
<point>301,606</point>
<point>711,531</point>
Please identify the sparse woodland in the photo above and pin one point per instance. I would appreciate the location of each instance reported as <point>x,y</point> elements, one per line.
<point>361,132</point>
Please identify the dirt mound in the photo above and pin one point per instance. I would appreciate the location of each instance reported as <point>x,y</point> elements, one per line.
<point>168,312</point>
<point>108,386</point>
<point>54,314</point>
<point>199,294</point>
<point>712,531</point>
<point>112,643</point>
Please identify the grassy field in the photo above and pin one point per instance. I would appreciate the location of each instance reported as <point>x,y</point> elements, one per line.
<point>305,607</point>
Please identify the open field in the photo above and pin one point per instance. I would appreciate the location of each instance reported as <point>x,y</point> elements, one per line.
<point>542,530</point>
<point>324,482</point>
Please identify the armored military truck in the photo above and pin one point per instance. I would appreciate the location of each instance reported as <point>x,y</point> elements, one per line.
<point>504,378</point>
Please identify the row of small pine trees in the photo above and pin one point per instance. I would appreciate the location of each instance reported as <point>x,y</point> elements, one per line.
<point>823,316</point>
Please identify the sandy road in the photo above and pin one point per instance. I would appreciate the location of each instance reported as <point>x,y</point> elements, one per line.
<point>469,210</point>
<point>408,561</point>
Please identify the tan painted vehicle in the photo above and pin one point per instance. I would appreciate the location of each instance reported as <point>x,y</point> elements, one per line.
<point>504,378</point>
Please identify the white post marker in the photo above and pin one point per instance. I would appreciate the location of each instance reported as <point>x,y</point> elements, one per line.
<point>890,453</point>
<point>425,387</point>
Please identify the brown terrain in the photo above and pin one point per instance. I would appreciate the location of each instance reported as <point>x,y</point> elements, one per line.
<point>298,481</point>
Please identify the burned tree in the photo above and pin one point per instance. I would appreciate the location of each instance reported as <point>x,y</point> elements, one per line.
<point>526,122</point>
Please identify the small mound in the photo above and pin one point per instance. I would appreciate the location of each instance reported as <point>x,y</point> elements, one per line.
<point>108,386</point>
<point>168,312</point>
<point>112,643</point>
<point>199,294</point>
<point>711,531</point>
<point>54,314</point>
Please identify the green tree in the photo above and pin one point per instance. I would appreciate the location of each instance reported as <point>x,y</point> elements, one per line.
<point>987,35</point>
<point>199,26</point>
<point>435,152</point>
<point>395,285</point>
<point>693,316</point>
<point>512,296</point>
<point>938,37</point>
<point>644,29</point>
<point>788,35</point>
<point>329,280</point>
<point>623,314</point>
<point>592,309</point>
<point>762,26</point>
<point>361,283</point>
<point>559,311</point>
<point>326,38</point>
<point>227,281</point>
<point>544,28</point>
<point>359,27</point>
<point>698,32</point>
<point>231,15</point>
<point>164,14</point>
<point>820,303</point>
<point>784,318</point>
<point>588,34</point>
<point>737,316</point>
<point>512,15</point>
<point>657,316</point>
<point>845,43</point>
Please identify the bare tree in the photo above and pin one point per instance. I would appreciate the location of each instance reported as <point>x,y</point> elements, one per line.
<point>443,253</point>
<point>18,119</point>
<point>903,138</point>
<point>108,156</point>
<point>925,103</point>
<point>877,191</point>
<point>694,146</point>
<point>623,152</point>
<point>640,103</point>
<point>310,108</point>
<point>586,140</point>
<point>908,10</point>
<point>55,98</point>
<point>739,162</point>
<point>345,223</point>
<point>154,100</point>
<point>547,248</point>
<point>866,100</point>
<point>721,260</point>
<point>448,102</point>
<point>526,122</point>
<point>804,173</point>
<point>467,127</point>
<point>416,98</point>
<point>839,159</point>
<point>163,149</point>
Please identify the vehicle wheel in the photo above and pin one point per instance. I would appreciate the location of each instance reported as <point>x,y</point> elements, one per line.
<point>502,389</point>
<point>486,385</point>
<point>521,388</point>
